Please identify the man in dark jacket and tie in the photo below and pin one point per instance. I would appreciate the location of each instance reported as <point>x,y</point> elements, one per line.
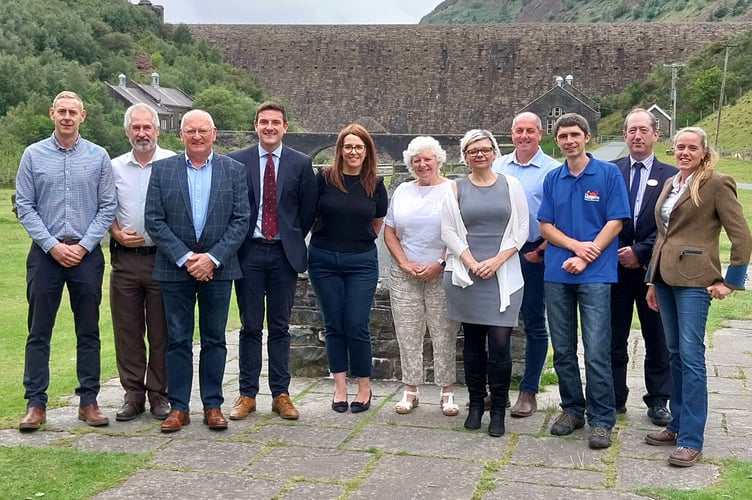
<point>644,176</point>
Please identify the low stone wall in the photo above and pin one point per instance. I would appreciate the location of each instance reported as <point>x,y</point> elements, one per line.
<point>308,353</point>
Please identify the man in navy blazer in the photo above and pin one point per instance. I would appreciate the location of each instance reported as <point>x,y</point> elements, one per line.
<point>635,247</point>
<point>197,215</point>
<point>271,257</point>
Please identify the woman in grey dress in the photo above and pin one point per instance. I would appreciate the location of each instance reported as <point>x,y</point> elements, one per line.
<point>484,224</point>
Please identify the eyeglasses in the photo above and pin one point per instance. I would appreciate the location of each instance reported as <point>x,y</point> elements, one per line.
<point>349,148</point>
<point>474,152</point>
<point>192,131</point>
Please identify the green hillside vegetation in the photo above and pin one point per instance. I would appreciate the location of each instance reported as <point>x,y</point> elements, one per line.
<point>50,45</point>
<point>698,92</point>
<point>587,11</point>
<point>735,135</point>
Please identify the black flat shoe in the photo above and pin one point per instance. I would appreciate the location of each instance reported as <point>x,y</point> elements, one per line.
<point>339,406</point>
<point>357,406</point>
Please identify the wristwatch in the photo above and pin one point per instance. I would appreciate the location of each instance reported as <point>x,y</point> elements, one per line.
<point>441,262</point>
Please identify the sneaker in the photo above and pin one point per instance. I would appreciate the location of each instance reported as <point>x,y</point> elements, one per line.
<point>659,415</point>
<point>600,437</point>
<point>566,423</point>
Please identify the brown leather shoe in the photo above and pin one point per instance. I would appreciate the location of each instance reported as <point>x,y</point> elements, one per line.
<point>525,405</point>
<point>242,407</point>
<point>33,419</point>
<point>283,405</point>
<point>92,416</point>
<point>214,419</point>
<point>175,421</point>
<point>684,457</point>
<point>662,438</point>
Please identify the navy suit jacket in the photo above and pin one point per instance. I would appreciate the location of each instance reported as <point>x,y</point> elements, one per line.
<point>297,197</point>
<point>169,218</point>
<point>643,238</point>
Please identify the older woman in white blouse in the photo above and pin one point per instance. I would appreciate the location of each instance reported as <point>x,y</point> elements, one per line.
<point>412,234</point>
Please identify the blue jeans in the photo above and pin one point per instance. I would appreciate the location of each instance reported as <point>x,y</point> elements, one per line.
<point>45,279</point>
<point>179,299</point>
<point>684,312</point>
<point>534,316</point>
<point>268,282</point>
<point>345,284</point>
<point>593,299</point>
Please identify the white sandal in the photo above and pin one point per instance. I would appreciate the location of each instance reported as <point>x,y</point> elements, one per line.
<point>450,409</point>
<point>406,406</point>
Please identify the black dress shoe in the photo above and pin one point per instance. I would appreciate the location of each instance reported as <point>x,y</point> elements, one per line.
<point>659,415</point>
<point>129,411</point>
<point>339,406</point>
<point>357,406</point>
<point>160,409</point>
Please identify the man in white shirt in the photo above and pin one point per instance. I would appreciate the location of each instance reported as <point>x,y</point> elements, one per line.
<point>135,297</point>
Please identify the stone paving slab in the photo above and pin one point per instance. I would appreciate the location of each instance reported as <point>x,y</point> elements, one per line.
<point>510,489</point>
<point>130,444</point>
<point>312,491</point>
<point>409,477</point>
<point>315,463</point>
<point>555,451</point>
<point>169,485</point>
<point>633,474</point>
<point>550,477</point>
<point>207,456</point>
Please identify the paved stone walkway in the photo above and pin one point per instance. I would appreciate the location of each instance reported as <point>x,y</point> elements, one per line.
<point>379,454</point>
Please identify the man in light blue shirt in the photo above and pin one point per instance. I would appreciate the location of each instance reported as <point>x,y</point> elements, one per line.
<point>65,198</point>
<point>530,164</point>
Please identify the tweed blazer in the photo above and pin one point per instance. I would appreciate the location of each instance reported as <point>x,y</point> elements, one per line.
<point>642,237</point>
<point>297,195</point>
<point>687,253</point>
<point>169,218</point>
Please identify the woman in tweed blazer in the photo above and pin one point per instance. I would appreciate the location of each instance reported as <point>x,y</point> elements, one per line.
<point>685,271</point>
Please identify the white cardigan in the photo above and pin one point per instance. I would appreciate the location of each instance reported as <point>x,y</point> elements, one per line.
<point>454,234</point>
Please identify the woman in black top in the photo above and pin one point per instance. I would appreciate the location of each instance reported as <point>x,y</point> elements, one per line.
<point>342,261</point>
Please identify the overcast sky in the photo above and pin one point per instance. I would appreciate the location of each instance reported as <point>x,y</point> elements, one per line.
<point>295,11</point>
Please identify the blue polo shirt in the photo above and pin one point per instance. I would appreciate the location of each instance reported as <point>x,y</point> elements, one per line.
<point>579,207</point>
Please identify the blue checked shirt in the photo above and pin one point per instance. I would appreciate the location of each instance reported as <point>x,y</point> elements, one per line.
<point>65,193</point>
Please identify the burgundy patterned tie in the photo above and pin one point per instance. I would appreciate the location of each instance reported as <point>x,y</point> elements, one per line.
<point>269,208</point>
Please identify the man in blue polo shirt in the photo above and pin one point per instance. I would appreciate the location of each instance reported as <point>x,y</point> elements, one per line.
<point>584,203</point>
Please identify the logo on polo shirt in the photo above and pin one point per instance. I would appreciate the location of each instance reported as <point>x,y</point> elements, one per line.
<point>592,195</point>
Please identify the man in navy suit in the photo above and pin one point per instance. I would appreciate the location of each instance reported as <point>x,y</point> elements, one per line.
<point>635,247</point>
<point>197,215</point>
<point>272,255</point>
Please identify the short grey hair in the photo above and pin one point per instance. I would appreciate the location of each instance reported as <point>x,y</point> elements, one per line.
<point>475,135</point>
<point>198,112</point>
<point>420,144</point>
<point>129,113</point>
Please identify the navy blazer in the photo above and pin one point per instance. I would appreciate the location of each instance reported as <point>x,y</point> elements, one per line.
<point>297,197</point>
<point>169,218</point>
<point>643,239</point>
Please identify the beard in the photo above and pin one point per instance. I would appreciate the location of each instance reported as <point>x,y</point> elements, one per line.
<point>143,146</point>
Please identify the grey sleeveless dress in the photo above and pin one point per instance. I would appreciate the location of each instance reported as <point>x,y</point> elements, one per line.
<point>485,212</point>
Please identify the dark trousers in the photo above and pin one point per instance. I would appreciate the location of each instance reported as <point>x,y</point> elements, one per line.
<point>179,299</point>
<point>630,290</point>
<point>534,316</point>
<point>345,284</point>
<point>268,282</point>
<point>137,312</point>
<point>45,279</point>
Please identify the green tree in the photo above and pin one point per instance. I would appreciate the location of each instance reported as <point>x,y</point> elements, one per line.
<point>230,110</point>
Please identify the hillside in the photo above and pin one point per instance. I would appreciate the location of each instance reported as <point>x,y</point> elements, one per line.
<point>736,127</point>
<point>587,11</point>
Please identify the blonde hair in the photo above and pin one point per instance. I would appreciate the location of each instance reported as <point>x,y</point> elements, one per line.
<point>708,161</point>
<point>67,94</point>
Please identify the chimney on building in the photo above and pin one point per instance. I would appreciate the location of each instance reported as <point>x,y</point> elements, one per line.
<point>569,79</point>
<point>155,80</point>
<point>121,81</point>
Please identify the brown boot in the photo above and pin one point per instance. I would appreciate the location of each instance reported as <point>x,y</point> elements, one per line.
<point>283,405</point>
<point>33,419</point>
<point>525,405</point>
<point>92,416</point>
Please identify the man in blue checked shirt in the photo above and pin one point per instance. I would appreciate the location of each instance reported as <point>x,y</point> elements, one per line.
<point>66,202</point>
